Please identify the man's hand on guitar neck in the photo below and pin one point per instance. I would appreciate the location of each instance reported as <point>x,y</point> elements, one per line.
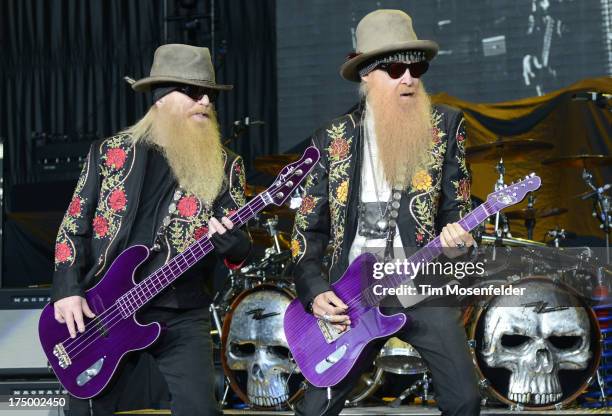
<point>70,311</point>
<point>455,240</point>
<point>329,307</point>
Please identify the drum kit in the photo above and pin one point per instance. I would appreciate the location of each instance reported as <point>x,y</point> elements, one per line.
<point>537,355</point>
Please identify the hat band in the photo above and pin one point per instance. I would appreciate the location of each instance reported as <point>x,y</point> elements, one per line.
<point>407,57</point>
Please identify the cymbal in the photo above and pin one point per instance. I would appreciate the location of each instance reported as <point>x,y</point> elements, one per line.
<point>262,238</point>
<point>508,149</point>
<point>253,190</point>
<point>273,164</point>
<point>579,161</point>
<point>533,213</point>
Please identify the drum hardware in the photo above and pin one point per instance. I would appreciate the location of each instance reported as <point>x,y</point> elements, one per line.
<point>501,150</point>
<point>368,383</point>
<point>421,385</point>
<point>602,205</point>
<point>271,224</point>
<point>501,169</point>
<point>262,237</point>
<point>559,234</point>
<point>509,149</point>
<point>399,357</point>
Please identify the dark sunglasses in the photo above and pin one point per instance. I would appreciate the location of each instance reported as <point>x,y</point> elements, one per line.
<point>196,93</point>
<point>397,69</point>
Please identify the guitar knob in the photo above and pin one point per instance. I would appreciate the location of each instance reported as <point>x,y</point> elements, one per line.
<point>280,195</point>
<point>289,184</point>
<point>308,161</point>
<point>299,172</point>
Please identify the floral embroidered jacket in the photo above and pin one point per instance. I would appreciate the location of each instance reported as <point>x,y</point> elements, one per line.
<point>97,223</point>
<point>438,195</point>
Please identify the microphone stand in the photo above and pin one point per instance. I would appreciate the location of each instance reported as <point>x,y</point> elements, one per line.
<point>601,207</point>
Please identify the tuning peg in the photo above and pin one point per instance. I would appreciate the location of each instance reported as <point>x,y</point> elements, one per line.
<point>532,174</point>
<point>308,161</point>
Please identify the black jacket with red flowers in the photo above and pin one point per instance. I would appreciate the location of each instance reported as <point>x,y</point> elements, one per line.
<point>96,226</point>
<point>439,194</point>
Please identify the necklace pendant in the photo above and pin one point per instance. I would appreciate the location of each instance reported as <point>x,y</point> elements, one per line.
<point>382,225</point>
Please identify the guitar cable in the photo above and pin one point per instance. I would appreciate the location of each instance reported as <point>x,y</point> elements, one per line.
<point>329,397</point>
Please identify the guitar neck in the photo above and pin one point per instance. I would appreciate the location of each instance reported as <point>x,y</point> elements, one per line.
<point>428,253</point>
<point>163,277</point>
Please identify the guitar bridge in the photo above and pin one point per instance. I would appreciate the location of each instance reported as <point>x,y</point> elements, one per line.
<point>62,356</point>
<point>329,332</point>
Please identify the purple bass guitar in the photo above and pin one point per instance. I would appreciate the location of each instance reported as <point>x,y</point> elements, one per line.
<point>85,365</point>
<point>326,357</point>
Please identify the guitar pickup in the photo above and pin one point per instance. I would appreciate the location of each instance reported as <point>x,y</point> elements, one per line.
<point>331,359</point>
<point>329,332</point>
<point>90,373</point>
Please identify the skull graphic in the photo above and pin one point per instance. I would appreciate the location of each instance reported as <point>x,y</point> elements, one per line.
<point>535,341</point>
<point>257,344</point>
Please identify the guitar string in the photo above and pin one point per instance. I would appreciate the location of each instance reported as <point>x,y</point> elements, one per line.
<point>145,283</point>
<point>358,299</point>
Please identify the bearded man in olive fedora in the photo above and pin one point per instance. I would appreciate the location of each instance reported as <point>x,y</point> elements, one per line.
<point>164,182</point>
<point>392,176</point>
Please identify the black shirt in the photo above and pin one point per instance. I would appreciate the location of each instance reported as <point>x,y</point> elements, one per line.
<point>155,197</point>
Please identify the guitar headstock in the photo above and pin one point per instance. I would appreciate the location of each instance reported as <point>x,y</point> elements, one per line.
<point>292,175</point>
<point>514,193</point>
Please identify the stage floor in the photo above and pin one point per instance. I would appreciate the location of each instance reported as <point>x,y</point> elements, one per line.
<point>400,411</point>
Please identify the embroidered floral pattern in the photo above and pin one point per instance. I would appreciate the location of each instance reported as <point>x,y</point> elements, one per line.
<point>423,206</point>
<point>463,189</point>
<point>463,186</point>
<point>421,181</point>
<point>338,149</point>
<point>74,209</point>
<point>342,192</point>
<point>238,182</point>
<point>100,226</point>
<point>339,144</point>
<point>117,160</point>
<point>308,204</point>
<point>296,248</point>
<point>190,221</point>
<point>64,247</point>
<point>115,157</point>
<point>200,232</point>
<point>117,200</point>
<point>63,252</point>
<point>188,206</point>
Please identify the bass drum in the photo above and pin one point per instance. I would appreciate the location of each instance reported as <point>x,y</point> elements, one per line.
<point>534,351</point>
<point>254,351</point>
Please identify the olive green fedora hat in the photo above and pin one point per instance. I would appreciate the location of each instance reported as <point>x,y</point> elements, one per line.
<point>382,32</point>
<point>183,64</point>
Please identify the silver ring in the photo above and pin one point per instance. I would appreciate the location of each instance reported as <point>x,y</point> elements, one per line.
<point>326,317</point>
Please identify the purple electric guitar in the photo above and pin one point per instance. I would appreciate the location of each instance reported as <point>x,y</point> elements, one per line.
<point>85,365</point>
<point>326,357</point>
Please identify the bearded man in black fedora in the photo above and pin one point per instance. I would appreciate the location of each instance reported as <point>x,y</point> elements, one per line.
<point>392,175</point>
<point>164,183</point>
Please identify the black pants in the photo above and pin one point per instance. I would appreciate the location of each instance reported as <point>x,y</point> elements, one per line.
<point>437,333</point>
<point>183,355</point>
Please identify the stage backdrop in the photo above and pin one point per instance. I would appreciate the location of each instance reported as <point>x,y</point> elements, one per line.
<point>490,51</point>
